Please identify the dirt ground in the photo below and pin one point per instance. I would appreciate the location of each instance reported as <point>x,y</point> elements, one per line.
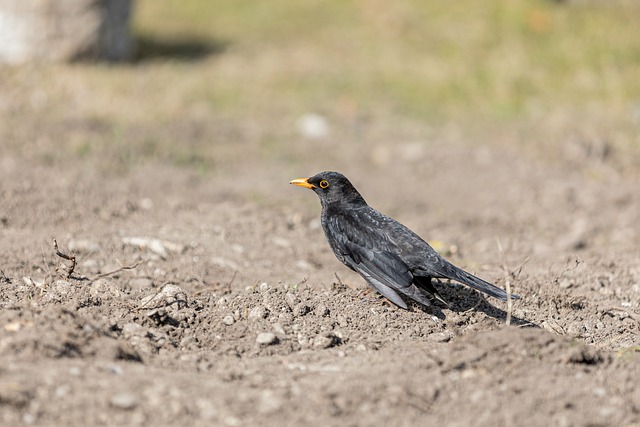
<point>213,299</point>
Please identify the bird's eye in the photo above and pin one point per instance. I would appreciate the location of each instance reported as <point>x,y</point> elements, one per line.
<point>324,183</point>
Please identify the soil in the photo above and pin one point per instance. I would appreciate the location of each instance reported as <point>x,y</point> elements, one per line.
<point>213,298</point>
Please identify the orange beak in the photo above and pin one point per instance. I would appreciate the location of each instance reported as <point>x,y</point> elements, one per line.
<point>302,182</point>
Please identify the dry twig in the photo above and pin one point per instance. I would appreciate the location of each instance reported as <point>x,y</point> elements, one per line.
<point>72,267</point>
<point>71,258</point>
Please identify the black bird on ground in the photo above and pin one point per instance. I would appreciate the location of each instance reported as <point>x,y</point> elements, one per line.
<point>390,257</point>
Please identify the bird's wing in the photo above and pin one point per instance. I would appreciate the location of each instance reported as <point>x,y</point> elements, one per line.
<point>368,251</point>
<point>424,261</point>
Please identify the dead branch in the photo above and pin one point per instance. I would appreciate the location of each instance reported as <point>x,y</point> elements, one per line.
<point>72,267</point>
<point>117,270</point>
<point>71,258</point>
<point>4,278</point>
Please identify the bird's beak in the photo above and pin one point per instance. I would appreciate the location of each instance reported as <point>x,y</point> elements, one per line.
<point>302,182</point>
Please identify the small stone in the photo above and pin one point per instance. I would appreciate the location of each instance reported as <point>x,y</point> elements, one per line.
<point>105,288</point>
<point>13,326</point>
<point>301,309</point>
<point>321,310</point>
<point>140,283</point>
<point>133,330</point>
<point>29,419</point>
<point>313,126</point>
<point>125,401</point>
<point>228,320</point>
<point>266,338</point>
<point>278,328</point>
<point>440,337</point>
<point>326,340</point>
<point>146,204</point>
<point>90,266</point>
<point>258,312</point>
<point>169,295</point>
<point>281,241</point>
<point>291,300</point>
<point>83,246</point>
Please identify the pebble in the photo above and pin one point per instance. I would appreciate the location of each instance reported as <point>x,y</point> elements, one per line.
<point>83,246</point>
<point>278,328</point>
<point>291,300</point>
<point>321,310</point>
<point>301,309</point>
<point>258,312</point>
<point>124,401</point>
<point>169,295</point>
<point>313,126</point>
<point>266,338</point>
<point>228,320</point>
<point>105,288</point>
<point>157,246</point>
<point>133,329</point>
<point>326,340</point>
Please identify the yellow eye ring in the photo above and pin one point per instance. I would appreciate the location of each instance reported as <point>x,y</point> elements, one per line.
<point>324,183</point>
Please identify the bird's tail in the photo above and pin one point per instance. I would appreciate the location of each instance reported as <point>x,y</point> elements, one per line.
<point>477,283</point>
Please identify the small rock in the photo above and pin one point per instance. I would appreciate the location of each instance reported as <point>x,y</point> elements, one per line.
<point>325,340</point>
<point>313,126</point>
<point>168,295</point>
<point>281,241</point>
<point>157,246</point>
<point>105,288</point>
<point>13,326</point>
<point>258,312</point>
<point>301,309</point>
<point>29,419</point>
<point>90,266</point>
<point>228,320</point>
<point>83,246</point>
<point>439,337</point>
<point>278,328</point>
<point>125,401</point>
<point>291,300</point>
<point>58,291</point>
<point>224,263</point>
<point>266,338</point>
<point>321,310</point>
<point>133,330</point>
<point>146,204</point>
<point>139,283</point>
<point>270,402</point>
<point>303,265</point>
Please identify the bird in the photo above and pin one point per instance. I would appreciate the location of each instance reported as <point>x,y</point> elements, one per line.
<point>391,258</point>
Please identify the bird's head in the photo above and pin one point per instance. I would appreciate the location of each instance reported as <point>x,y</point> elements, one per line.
<point>331,187</point>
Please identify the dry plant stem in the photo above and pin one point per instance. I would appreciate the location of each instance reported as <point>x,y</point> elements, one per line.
<point>507,282</point>
<point>71,258</point>
<point>72,268</point>
<point>126,267</point>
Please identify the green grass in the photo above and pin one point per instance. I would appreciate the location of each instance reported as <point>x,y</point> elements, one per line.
<point>493,58</point>
<point>218,80</point>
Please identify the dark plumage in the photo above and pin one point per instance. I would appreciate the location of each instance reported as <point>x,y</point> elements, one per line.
<point>391,258</point>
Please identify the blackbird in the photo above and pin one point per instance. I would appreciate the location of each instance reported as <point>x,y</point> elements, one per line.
<point>394,260</point>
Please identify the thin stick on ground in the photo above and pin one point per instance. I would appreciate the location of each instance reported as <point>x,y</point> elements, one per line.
<point>72,267</point>
<point>117,270</point>
<point>71,258</point>
<point>507,281</point>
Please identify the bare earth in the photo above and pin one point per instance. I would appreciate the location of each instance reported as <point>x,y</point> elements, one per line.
<point>232,313</point>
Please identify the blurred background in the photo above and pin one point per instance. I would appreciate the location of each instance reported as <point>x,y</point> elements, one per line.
<point>281,89</point>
